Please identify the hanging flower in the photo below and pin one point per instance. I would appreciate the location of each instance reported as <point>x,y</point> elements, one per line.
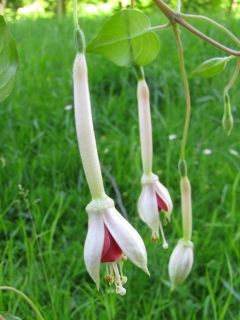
<point>154,196</point>
<point>110,238</point>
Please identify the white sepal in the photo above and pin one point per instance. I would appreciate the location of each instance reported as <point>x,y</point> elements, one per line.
<point>148,209</point>
<point>163,193</point>
<point>180,263</point>
<point>127,238</point>
<point>94,245</point>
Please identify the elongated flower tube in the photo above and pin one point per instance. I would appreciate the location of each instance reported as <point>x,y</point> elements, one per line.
<point>110,237</point>
<point>181,260</point>
<point>154,196</point>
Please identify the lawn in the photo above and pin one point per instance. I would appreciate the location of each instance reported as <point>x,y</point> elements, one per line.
<point>43,222</point>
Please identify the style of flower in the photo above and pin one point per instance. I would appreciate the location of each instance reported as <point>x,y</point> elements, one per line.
<point>110,238</point>
<point>154,196</point>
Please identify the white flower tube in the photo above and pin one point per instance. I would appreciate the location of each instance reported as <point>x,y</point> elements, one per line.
<point>154,196</point>
<point>84,127</point>
<point>145,126</point>
<point>186,202</point>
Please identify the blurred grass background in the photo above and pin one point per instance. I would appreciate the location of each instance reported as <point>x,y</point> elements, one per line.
<point>39,151</point>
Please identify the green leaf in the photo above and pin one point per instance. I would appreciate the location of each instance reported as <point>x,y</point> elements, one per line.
<point>127,40</point>
<point>8,316</point>
<point>8,60</point>
<point>211,67</point>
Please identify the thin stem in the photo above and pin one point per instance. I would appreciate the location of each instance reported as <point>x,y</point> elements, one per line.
<point>233,78</point>
<point>215,23</point>
<point>186,91</point>
<point>177,18</point>
<point>132,4</point>
<point>21,294</point>
<point>75,14</point>
<point>161,27</point>
<point>179,5</point>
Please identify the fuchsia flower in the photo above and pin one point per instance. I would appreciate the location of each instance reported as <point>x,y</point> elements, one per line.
<point>110,237</point>
<point>154,195</point>
<point>154,198</point>
<point>110,240</point>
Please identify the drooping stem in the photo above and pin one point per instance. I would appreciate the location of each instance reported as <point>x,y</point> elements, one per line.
<point>186,92</point>
<point>21,294</point>
<point>186,199</point>
<point>161,27</point>
<point>177,18</point>
<point>84,127</point>
<point>214,23</point>
<point>233,78</point>
<point>145,122</point>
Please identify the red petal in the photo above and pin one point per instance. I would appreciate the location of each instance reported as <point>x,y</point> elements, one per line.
<point>161,204</point>
<point>111,250</point>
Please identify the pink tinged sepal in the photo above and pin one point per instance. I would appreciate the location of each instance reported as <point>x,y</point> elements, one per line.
<point>127,238</point>
<point>180,263</point>
<point>163,198</point>
<point>148,208</point>
<point>94,245</point>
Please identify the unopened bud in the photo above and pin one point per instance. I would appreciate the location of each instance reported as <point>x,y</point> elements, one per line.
<point>227,120</point>
<point>180,263</point>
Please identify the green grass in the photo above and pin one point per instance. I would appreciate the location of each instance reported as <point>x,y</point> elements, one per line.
<point>39,151</point>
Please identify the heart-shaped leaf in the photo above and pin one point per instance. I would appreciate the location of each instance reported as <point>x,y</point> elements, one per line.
<point>127,40</point>
<point>8,60</point>
<point>8,316</point>
<point>211,67</point>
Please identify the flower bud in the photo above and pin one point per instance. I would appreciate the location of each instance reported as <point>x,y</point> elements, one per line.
<point>180,263</point>
<point>227,120</point>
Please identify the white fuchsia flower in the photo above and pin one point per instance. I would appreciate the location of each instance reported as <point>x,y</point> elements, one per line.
<point>110,240</point>
<point>110,237</point>
<point>154,196</point>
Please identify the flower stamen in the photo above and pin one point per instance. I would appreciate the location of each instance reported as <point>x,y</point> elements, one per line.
<point>115,275</point>
<point>165,244</point>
